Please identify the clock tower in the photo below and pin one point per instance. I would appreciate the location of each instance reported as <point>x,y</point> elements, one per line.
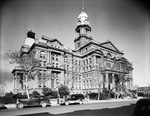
<point>83,30</point>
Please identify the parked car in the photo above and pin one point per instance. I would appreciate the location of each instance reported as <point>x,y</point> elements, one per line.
<point>74,98</point>
<point>142,107</point>
<point>33,101</point>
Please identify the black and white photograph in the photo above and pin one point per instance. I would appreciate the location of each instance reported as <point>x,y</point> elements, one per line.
<point>74,58</point>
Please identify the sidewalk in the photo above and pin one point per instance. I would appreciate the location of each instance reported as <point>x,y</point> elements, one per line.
<point>87,101</point>
<point>109,100</point>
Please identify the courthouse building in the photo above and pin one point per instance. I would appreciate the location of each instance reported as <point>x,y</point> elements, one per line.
<point>89,66</point>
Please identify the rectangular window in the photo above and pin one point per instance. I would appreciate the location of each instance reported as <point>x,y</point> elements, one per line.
<point>44,63</point>
<point>53,64</point>
<point>108,65</point>
<point>90,67</point>
<point>40,62</point>
<point>78,44</point>
<point>87,68</point>
<point>56,74</point>
<point>86,61</point>
<point>56,65</point>
<point>52,56</point>
<point>75,62</point>
<point>90,60</point>
<point>83,69</point>
<point>56,57</point>
<point>83,62</point>
<point>97,59</point>
<point>104,78</point>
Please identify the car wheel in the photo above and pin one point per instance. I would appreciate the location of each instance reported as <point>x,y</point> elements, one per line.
<point>43,104</point>
<point>20,105</point>
<point>80,102</point>
<point>67,103</point>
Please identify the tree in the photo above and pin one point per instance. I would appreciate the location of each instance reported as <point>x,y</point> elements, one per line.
<point>99,82</point>
<point>63,90</point>
<point>2,88</point>
<point>26,61</point>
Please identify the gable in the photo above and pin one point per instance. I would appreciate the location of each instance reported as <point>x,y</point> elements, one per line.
<point>56,43</point>
<point>110,46</point>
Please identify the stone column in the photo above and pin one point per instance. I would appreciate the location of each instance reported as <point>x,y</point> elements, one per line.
<point>107,81</point>
<point>50,57</point>
<point>113,81</point>
<point>48,52</point>
<point>94,62</point>
<point>62,62</point>
<point>48,78</point>
<point>62,78</point>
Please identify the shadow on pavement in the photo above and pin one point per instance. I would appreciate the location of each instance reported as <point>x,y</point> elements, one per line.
<point>38,114</point>
<point>119,111</point>
<point>1,108</point>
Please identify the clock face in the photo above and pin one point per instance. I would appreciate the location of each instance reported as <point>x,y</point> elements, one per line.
<point>82,19</point>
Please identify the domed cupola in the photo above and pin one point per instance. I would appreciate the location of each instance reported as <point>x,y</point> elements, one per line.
<point>83,18</point>
<point>83,22</point>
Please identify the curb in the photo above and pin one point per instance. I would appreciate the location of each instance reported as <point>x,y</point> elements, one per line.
<point>113,100</point>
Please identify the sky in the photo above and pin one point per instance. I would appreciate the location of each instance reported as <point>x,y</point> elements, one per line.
<point>124,22</point>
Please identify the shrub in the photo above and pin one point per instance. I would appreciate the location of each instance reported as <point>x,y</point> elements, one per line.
<point>63,90</point>
<point>8,98</point>
<point>54,94</point>
<point>35,93</point>
<point>105,94</point>
<point>50,93</point>
<point>93,96</point>
<point>47,91</point>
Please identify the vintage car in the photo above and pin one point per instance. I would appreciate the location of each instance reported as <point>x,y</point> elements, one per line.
<point>74,98</point>
<point>33,101</point>
<point>142,107</point>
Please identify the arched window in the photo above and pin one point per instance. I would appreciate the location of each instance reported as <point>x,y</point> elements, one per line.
<point>108,55</point>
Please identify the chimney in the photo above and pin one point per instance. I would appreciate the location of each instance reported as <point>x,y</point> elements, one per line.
<point>31,34</point>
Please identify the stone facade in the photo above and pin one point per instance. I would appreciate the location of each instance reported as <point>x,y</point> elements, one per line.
<point>89,67</point>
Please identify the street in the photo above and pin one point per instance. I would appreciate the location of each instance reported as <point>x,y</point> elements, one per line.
<point>121,108</point>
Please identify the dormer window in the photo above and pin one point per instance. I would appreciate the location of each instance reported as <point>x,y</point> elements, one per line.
<point>78,44</point>
<point>42,54</point>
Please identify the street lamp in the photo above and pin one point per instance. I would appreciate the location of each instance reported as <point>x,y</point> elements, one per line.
<point>57,89</point>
